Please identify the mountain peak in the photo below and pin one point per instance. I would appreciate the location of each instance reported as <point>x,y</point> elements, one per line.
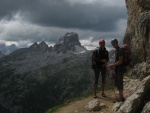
<point>43,45</point>
<point>69,42</point>
<point>35,45</point>
<point>70,38</point>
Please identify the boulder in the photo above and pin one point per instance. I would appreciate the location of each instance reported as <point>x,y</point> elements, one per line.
<point>93,105</point>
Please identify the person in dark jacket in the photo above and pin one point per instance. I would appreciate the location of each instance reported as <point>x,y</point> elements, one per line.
<point>118,66</point>
<point>99,60</point>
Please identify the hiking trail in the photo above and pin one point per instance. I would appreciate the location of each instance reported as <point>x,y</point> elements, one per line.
<point>79,105</point>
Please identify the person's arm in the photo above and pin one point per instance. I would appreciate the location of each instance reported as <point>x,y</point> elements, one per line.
<point>120,61</point>
<point>117,63</point>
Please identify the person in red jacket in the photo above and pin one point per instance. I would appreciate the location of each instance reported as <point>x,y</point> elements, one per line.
<point>99,60</point>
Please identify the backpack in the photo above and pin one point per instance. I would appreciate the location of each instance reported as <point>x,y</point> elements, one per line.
<point>126,55</point>
<point>96,53</point>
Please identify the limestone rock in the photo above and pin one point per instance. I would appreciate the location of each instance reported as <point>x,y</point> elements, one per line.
<point>134,103</point>
<point>130,86</point>
<point>93,105</point>
<point>146,108</point>
<point>116,106</point>
<point>138,29</point>
<point>139,70</point>
<point>102,106</point>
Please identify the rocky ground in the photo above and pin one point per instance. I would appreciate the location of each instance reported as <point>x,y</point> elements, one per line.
<point>106,105</point>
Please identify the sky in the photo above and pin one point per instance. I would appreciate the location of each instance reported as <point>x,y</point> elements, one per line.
<point>24,22</point>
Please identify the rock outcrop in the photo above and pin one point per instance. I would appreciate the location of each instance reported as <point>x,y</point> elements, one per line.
<point>136,102</point>
<point>40,47</point>
<point>95,105</point>
<point>138,37</point>
<point>138,29</point>
<point>69,42</point>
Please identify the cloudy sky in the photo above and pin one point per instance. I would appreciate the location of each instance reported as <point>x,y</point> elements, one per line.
<point>24,22</point>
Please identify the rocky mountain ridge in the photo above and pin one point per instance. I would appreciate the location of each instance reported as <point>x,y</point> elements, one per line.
<point>40,55</point>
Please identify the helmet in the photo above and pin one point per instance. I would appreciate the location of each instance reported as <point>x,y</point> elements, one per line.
<point>114,40</point>
<point>102,41</point>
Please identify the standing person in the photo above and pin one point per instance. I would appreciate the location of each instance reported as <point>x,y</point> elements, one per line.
<point>118,66</point>
<point>99,60</point>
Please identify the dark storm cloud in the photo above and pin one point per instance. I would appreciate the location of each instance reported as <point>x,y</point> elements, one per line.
<point>59,13</point>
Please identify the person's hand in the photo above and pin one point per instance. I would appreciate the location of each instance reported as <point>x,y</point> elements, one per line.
<point>111,66</point>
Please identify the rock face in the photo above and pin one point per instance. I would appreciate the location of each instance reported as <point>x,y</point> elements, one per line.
<point>138,37</point>
<point>69,42</point>
<point>139,71</point>
<point>138,30</point>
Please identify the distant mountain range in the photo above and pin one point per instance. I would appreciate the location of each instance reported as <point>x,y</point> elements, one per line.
<point>6,50</point>
<point>34,79</point>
